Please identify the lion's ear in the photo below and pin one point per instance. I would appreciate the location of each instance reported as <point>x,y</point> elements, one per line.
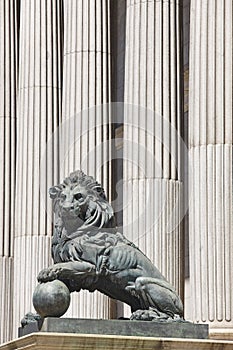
<point>54,191</point>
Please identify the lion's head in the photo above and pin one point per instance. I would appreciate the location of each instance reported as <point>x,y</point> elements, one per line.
<point>80,201</point>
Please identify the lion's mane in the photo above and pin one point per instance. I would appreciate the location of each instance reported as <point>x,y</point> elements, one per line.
<point>98,224</point>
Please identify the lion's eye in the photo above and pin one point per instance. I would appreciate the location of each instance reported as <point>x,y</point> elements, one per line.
<point>78,196</point>
<point>63,196</point>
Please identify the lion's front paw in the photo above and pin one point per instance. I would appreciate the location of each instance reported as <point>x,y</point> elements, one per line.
<point>144,315</point>
<point>152,314</point>
<point>49,274</point>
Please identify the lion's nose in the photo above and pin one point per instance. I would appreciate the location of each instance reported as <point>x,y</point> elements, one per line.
<point>68,205</point>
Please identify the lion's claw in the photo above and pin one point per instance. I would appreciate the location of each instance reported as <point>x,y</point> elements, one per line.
<point>149,315</point>
<point>49,274</point>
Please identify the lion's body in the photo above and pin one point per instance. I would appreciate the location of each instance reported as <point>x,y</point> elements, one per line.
<point>89,252</point>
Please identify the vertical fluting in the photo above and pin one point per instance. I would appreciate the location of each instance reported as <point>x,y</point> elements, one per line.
<point>152,170</point>
<point>210,142</point>
<point>86,136</point>
<point>8,86</point>
<point>38,114</point>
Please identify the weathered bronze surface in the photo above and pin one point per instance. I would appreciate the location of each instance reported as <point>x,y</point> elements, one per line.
<point>90,253</point>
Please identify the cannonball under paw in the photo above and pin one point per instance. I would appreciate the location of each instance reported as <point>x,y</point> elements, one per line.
<point>51,299</point>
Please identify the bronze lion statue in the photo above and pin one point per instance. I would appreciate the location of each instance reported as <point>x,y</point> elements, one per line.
<point>90,253</point>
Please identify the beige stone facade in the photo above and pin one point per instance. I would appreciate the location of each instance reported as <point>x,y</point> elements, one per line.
<point>137,93</point>
<point>54,341</point>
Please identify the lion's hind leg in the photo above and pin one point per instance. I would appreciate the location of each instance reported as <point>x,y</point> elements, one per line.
<point>157,297</point>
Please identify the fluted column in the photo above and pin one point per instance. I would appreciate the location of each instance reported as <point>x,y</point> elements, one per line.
<point>152,145</point>
<point>38,113</point>
<point>85,121</point>
<point>8,82</point>
<point>210,142</point>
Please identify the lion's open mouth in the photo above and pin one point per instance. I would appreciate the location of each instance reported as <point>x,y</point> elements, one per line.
<point>71,211</point>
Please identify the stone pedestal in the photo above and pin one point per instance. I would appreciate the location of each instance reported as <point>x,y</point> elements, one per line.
<point>54,341</point>
<point>120,327</point>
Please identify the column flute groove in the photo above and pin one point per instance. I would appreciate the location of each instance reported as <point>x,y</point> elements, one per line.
<point>86,117</point>
<point>153,97</point>
<point>210,149</point>
<point>38,114</point>
<point>8,87</point>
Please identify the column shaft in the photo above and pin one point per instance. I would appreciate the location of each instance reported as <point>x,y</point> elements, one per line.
<point>86,127</point>
<point>38,113</point>
<point>152,165</point>
<point>210,141</point>
<point>8,82</point>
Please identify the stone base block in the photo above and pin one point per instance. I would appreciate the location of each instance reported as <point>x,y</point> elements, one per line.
<point>55,341</point>
<point>120,327</point>
<point>221,334</point>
